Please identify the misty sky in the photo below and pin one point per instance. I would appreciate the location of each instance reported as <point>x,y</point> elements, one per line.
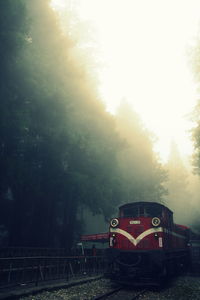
<point>144,46</point>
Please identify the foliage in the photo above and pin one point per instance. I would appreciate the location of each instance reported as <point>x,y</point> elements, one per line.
<point>195,132</point>
<point>196,139</point>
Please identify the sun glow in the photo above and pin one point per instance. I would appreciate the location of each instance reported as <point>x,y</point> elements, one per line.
<point>144,46</point>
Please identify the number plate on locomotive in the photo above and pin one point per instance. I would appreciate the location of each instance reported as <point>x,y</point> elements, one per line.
<point>134,222</point>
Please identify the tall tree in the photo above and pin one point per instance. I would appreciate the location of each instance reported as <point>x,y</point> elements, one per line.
<point>13,38</point>
<point>141,173</point>
<point>179,195</point>
<point>196,139</point>
<point>65,143</point>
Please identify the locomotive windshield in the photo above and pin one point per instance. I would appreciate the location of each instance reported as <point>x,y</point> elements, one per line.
<point>145,210</point>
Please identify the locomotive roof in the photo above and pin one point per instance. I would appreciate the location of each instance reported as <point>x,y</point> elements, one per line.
<point>144,202</point>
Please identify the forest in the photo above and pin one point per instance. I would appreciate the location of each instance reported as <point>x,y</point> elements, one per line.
<point>61,152</point>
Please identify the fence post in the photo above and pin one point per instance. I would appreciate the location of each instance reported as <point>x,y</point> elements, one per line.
<point>71,269</point>
<point>10,271</point>
<point>37,274</point>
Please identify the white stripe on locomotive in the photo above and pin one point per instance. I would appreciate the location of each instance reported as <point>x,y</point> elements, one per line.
<point>136,241</point>
<point>140,237</point>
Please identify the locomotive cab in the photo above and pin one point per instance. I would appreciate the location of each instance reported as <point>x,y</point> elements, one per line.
<point>141,209</point>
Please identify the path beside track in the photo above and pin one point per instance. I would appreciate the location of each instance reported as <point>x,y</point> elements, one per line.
<point>27,289</point>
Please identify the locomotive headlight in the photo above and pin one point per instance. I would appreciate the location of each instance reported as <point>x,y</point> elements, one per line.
<point>155,222</point>
<point>114,223</point>
<point>156,235</point>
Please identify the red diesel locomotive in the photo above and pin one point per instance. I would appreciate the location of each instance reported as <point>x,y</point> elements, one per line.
<point>145,244</point>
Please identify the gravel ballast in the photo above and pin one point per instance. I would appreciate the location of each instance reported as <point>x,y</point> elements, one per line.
<point>181,288</point>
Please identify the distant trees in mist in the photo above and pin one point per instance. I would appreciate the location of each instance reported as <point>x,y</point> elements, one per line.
<point>178,185</point>
<point>60,150</point>
<point>195,132</point>
<point>141,173</point>
<point>183,188</point>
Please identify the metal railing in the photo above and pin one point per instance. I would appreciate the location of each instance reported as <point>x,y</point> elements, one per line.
<point>31,251</point>
<point>23,270</point>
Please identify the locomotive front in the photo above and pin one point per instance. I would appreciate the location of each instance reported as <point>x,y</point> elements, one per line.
<point>140,241</point>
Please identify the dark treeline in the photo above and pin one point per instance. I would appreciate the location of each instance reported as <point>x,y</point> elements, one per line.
<point>60,150</point>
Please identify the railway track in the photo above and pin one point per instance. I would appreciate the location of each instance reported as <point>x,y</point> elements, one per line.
<point>103,296</point>
<point>121,293</point>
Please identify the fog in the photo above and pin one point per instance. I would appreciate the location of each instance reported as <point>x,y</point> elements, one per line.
<point>62,154</point>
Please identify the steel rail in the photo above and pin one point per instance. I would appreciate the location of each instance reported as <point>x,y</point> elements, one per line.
<point>102,296</point>
<point>139,294</point>
<point>105,295</point>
